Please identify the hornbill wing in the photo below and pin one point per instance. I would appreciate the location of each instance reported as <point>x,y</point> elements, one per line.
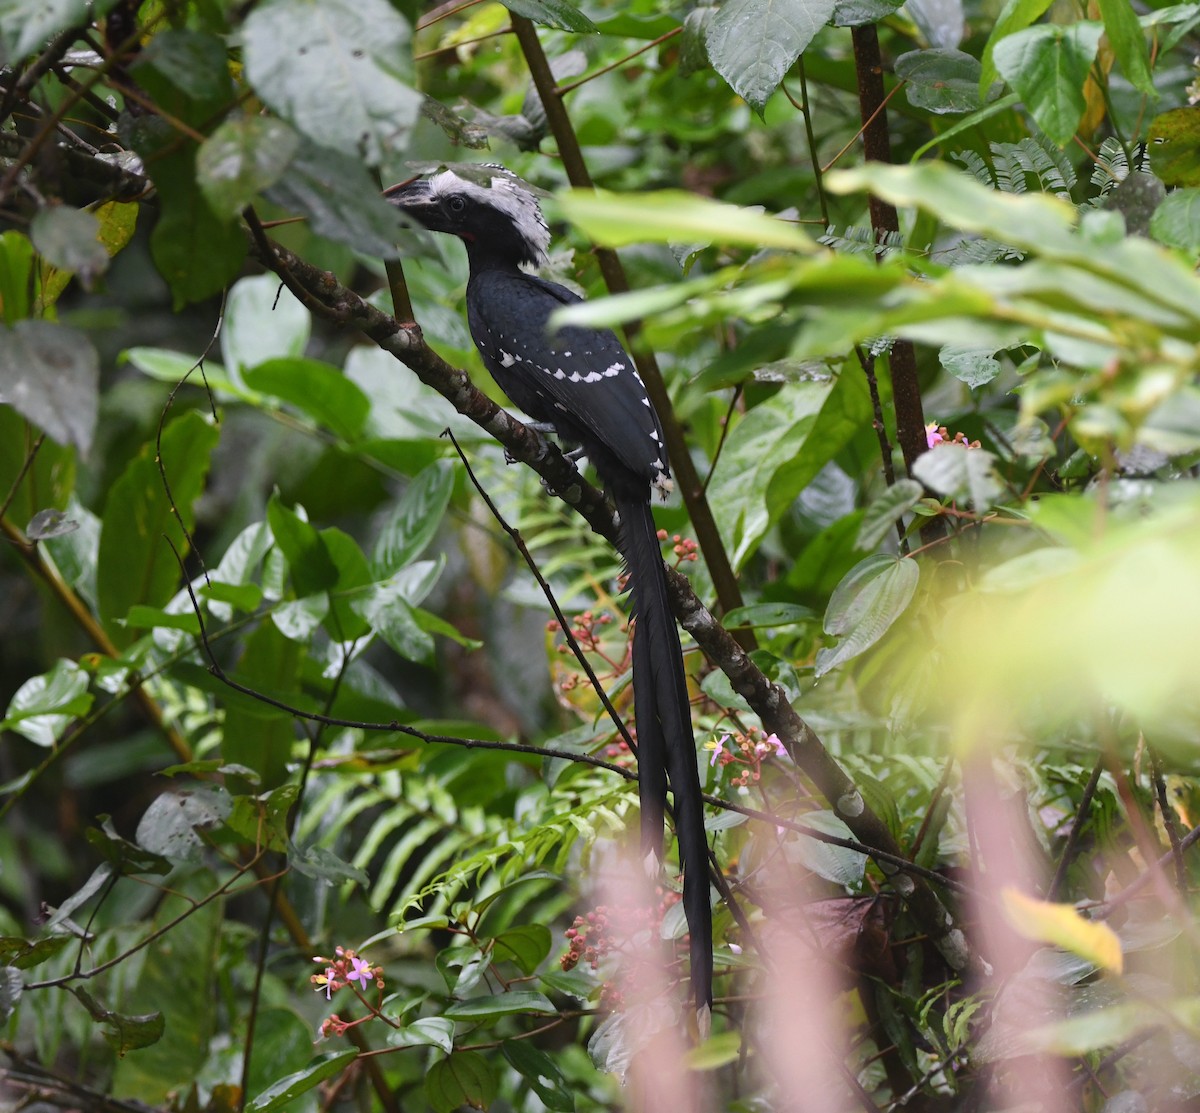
<point>581,380</point>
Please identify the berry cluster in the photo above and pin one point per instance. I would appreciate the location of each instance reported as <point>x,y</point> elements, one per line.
<point>685,548</point>
<point>592,937</point>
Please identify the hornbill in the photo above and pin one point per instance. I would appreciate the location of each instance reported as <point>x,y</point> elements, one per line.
<point>582,383</point>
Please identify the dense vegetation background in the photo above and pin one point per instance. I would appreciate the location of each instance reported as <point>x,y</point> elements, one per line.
<point>914,288</point>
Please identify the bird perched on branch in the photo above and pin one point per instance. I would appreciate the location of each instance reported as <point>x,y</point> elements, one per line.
<point>581,382</point>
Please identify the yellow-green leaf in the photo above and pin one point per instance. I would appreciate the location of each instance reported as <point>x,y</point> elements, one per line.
<point>1062,926</point>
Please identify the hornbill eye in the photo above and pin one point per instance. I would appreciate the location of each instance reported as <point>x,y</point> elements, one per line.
<point>457,204</point>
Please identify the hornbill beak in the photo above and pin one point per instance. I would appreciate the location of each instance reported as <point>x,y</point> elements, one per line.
<point>411,196</point>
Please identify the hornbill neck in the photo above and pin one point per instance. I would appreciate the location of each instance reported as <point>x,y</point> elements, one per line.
<point>482,258</point>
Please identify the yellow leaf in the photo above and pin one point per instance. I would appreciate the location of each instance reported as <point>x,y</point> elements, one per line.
<point>1063,926</point>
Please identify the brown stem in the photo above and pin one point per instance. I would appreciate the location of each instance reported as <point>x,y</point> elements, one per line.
<point>906,391</point>
<point>725,583</point>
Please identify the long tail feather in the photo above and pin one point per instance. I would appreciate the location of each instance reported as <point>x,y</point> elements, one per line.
<point>666,746</point>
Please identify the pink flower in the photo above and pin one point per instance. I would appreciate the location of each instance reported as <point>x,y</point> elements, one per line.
<point>717,748</point>
<point>780,748</point>
<point>361,973</point>
<point>933,434</point>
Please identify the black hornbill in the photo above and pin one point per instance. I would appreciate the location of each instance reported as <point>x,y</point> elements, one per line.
<point>581,382</point>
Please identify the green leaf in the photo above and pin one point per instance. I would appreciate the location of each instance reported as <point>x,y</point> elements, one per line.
<point>1128,40</point>
<point>1174,146</point>
<point>341,201</point>
<point>671,216</point>
<point>886,510</point>
<point>559,14</point>
<point>1016,15</point>
<point>940,80</point>
<point>243,157</point>
<point>415,520</point>
<point>1035,221</point>
<point>427,1031</point>
<point>1176,221</point>
<point>282,1046</point>
<point>44,706</point>
<point>169,826</point>
<point>196,250</point>
<point>866,603</point>
<point>715,1052</point>
<point>291,1087</point>
<point>858,13</point>
<point>261,737</point>
<point>141,617</point>
<point>323,865</point>
<point>501,1004</point>
<point>1048,66</point>
<point>960,472</point>
<point>844,412</point>
<point>464,1078</point>
<point>177,978</point>
<point>16,275</point>
<point>26,25</point>
<point>121,1031</point>
<point>388,613</point>
<point>309,562</point>
<point>767,438</point>
<point>316,389</point>
<point>25,954</point>
<point>50,374</point>
<point>542,1074</point>
<point>526,945</point>
<point>766,614</point>
<point>187,74</point>
<point>838,864</point>
<point>339,70</point>
<point>135,563</point>
<point>753,43</point>
<point>263,321</point>
<point>70,240</point>
<point>971,365</point>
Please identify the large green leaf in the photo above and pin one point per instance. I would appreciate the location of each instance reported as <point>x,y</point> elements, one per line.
<point>1128,40</point>
<point>414,521</point>
<point>261,738</point>
<point>753,43</point>
<point>866,603</point>
<point>940,81</point>
<point>1175,146</point>
<point>1048,66</point>
<point>464,1078</point>
<point>242,158</point>
<point>25,25</point>
<point>286,1089</point>
<point>177,978</point>
<point>44,706</point>
<point>1033,220</point>
<point>673,216</point>
<point>187,74</point>
<point>339,70</point>
<point>541,1072</point>
<point>765,440</point>
<point>560,14</point>
<point>1016,15</point>
<point>50,374</point>
<point>140,535</point>
<point>318,390</point>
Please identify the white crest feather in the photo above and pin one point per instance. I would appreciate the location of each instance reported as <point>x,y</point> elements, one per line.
<point>506,193</point>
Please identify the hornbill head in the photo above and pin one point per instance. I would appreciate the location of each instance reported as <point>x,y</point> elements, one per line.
<point>497,214</point>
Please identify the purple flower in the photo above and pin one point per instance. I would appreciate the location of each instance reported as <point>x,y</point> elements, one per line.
<point>361,973</point>
<point>325,982</point>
